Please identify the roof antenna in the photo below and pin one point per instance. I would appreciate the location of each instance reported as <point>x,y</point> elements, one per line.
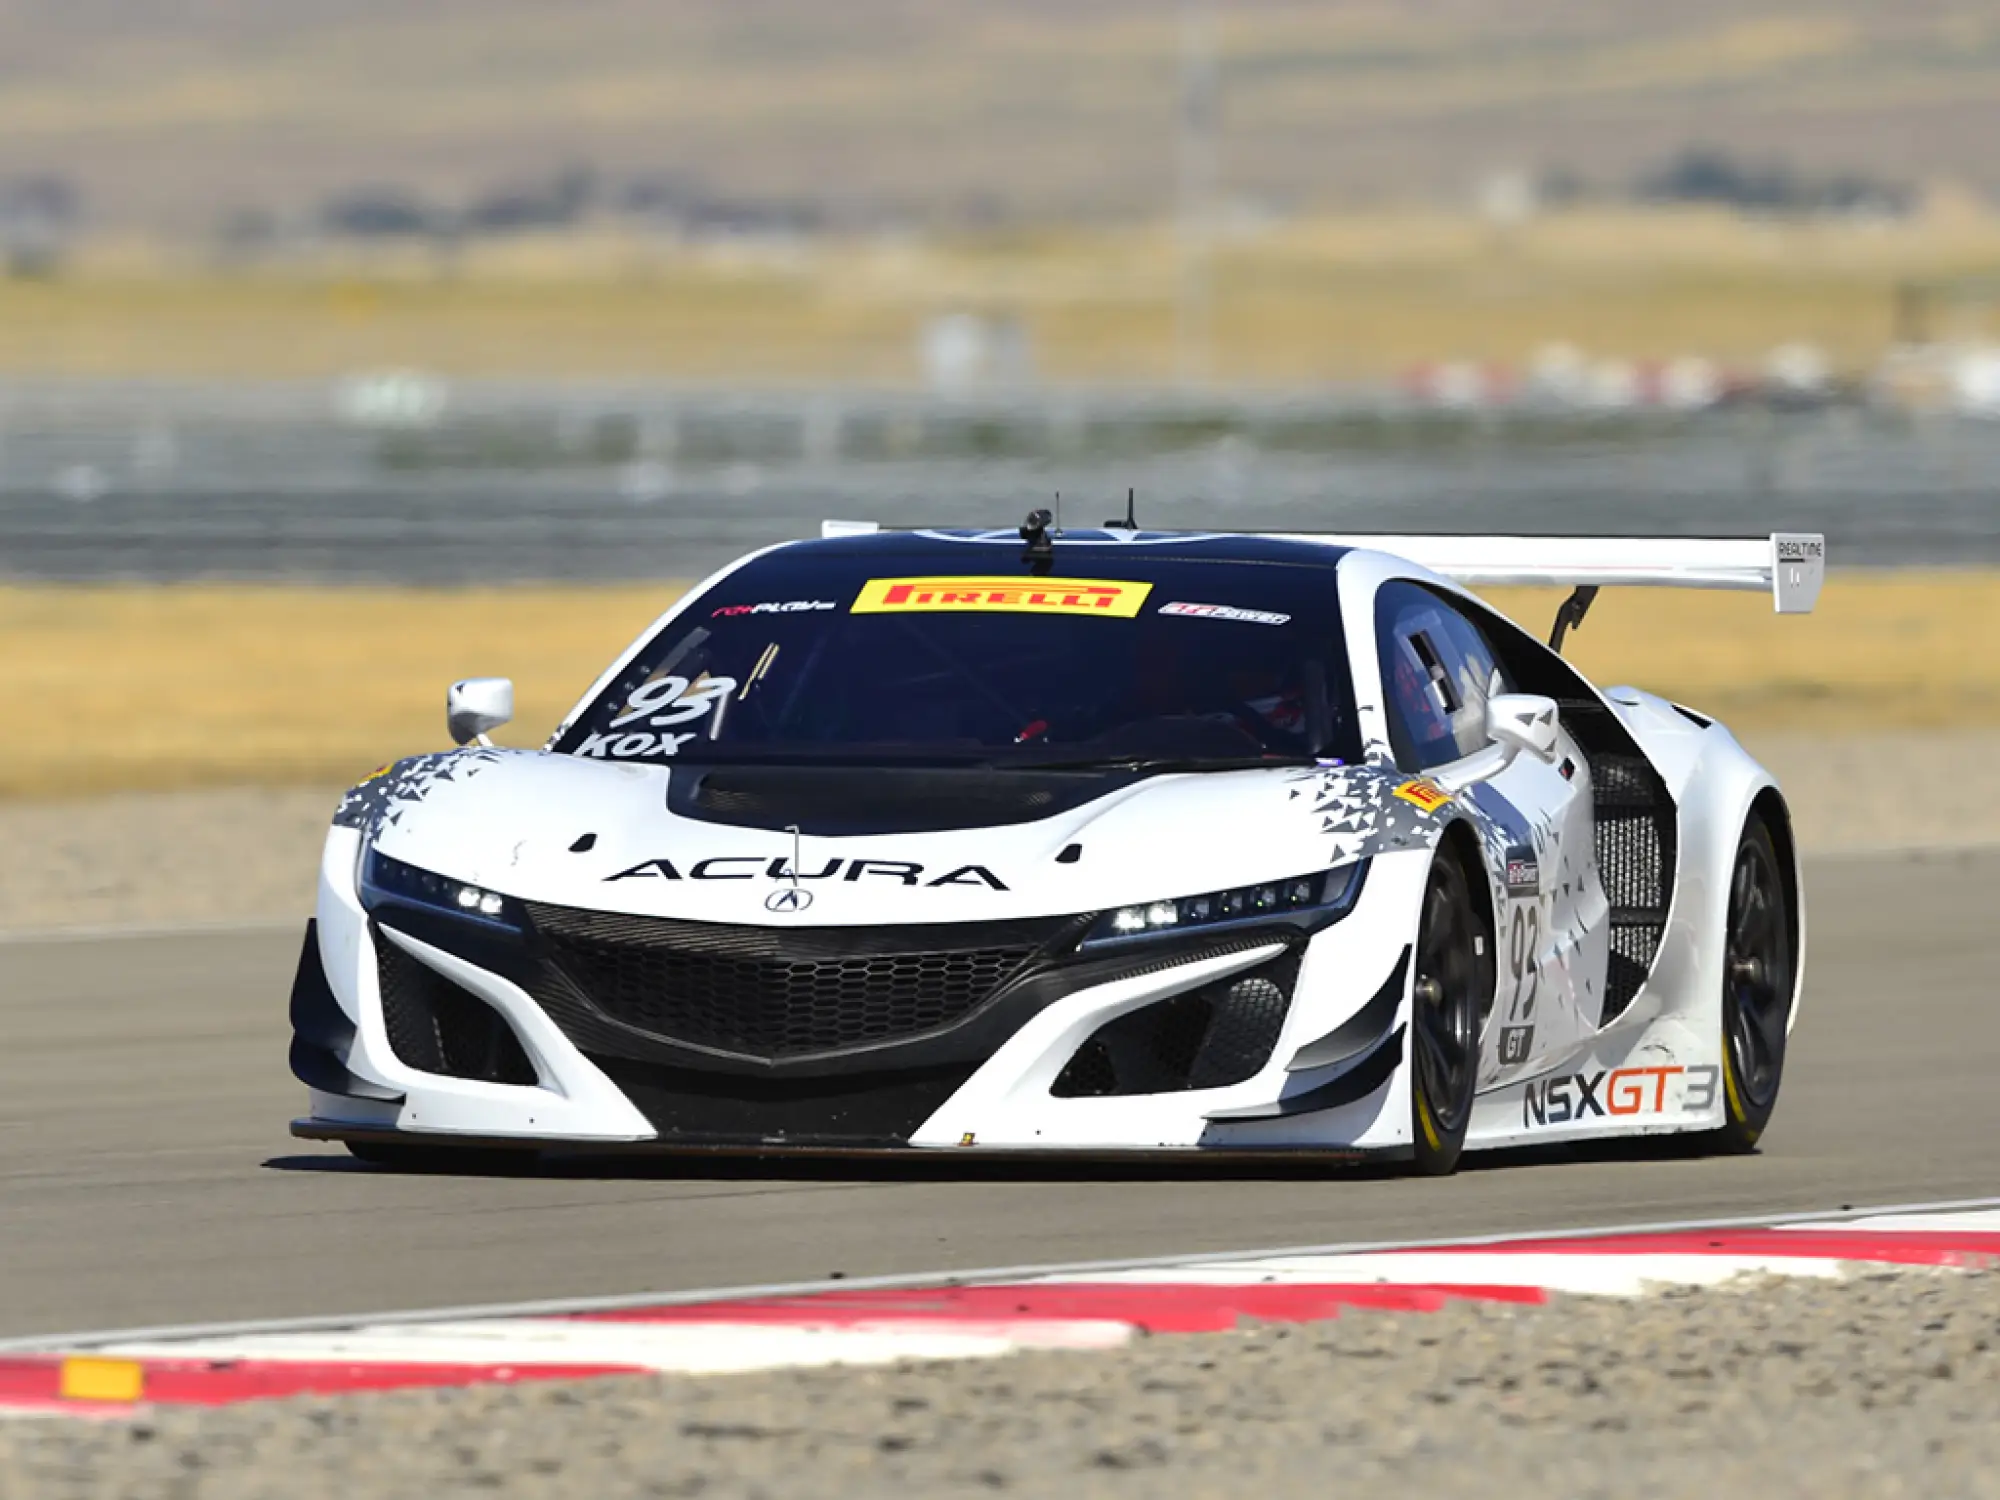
<point>1035,532</point>
<point>1058,512</point>
<point>1131,521</point>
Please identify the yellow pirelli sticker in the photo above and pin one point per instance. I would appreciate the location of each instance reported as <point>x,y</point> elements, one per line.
<point>1425,794</point>
<point>1028,596</point>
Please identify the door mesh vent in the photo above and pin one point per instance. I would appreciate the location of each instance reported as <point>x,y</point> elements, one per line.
<point>1636,827</point>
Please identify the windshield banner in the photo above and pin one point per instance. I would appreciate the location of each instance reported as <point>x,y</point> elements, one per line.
<point>1072,596</point>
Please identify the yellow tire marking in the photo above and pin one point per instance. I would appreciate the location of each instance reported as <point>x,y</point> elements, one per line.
<point>1736,1110</point>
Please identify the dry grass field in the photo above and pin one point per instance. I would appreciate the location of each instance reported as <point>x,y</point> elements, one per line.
<point>1360,295</point>
<point>110,688</point>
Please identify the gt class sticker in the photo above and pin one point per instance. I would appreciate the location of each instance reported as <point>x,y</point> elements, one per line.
<point>1423,794</point>
<point>1623,1091</point>
<point>1031,596</point>
<point>1224,612</point>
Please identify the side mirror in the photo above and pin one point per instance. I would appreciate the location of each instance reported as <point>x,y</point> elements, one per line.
<point>1523,721</point>
<point>476,705</point>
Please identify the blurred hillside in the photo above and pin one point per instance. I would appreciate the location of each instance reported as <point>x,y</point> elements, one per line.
<point>182,115</point>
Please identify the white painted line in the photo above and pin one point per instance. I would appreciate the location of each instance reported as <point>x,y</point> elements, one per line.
<point>94,1339</point>
<point>1979,1221</point>
<point>681,1348</point>
<point>1620,1275</point>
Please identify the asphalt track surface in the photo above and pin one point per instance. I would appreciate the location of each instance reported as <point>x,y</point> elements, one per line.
<point>146,1176</point>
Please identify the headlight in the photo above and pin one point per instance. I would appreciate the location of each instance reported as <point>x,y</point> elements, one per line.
<point>390,881</point>
<point>1325,894</point>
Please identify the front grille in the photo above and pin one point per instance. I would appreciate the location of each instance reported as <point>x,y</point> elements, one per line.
<point>780,993</point>
<point>1208,1038</point>
<point>435,1026</point>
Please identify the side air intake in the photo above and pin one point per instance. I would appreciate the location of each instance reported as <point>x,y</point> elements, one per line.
<point>1209,1038</point>
<point>436,1027</point>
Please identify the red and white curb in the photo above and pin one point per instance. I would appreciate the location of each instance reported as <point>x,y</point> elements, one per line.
<point>986,1315</point>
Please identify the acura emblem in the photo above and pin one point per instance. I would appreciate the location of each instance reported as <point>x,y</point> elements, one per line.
<point>791,898</point>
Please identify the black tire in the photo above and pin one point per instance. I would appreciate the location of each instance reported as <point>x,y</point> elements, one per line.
<point>472,1161</point>
<point>1450,991</point>
<point>1760,967</point>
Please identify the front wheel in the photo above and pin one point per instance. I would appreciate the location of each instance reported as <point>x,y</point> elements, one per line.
<point>1453,982</point>
<point>1759,971</point>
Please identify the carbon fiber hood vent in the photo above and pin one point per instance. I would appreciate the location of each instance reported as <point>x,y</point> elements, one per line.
<point>848,801</point>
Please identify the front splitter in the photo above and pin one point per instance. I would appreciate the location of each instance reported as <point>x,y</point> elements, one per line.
<point>573,1150</point>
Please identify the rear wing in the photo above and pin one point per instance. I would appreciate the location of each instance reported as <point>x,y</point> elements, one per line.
<point>1791,565</point>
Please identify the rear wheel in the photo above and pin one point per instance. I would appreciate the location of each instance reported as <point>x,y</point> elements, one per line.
<point>1758,972</point>
<point>1454,981</point>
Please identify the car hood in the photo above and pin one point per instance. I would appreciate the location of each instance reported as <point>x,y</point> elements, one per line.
<point>556,829</point>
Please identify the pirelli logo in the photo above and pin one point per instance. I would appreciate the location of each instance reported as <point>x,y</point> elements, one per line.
<point>1424,794</point>
<point>1029,596</point>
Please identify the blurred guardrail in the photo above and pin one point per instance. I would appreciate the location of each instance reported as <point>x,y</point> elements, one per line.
<point>407,478</point>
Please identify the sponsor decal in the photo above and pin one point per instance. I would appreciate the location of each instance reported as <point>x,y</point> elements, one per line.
<point>1622,1091</point>
<point>1800,549</point>
<point>1033,596</point>
<point>1423,794</point>
<point>1225,612</point>
<point>758,867</point>
<point>788,607</point>
<point>659,703</point>
<point>1524,875</point>
<point>1516,1042</point>
<point>792,898</point>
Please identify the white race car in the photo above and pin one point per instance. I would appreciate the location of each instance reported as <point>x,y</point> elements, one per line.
<point>1097,841</point>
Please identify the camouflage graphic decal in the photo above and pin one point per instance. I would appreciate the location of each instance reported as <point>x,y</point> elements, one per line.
<point>381,799</point>
<point>1364,812</point>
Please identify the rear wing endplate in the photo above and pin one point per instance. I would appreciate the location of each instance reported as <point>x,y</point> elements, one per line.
<point>1791,565</point>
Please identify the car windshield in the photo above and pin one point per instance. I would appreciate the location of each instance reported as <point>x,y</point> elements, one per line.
<point>1114,656</point>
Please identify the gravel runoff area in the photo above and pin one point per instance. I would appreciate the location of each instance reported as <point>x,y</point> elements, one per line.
<point>252,854</point>
<point>1878,1385</point>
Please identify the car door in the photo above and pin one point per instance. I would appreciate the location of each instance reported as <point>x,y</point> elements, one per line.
<point>1535,822</point>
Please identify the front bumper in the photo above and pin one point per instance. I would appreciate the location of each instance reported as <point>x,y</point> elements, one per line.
<point>1031,1063</point>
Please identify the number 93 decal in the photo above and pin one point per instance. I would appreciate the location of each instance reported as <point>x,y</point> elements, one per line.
<point>658,705</point>
<point>1524,945</point>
